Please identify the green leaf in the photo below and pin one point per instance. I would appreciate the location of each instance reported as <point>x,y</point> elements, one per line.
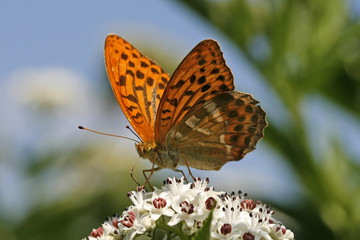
<point>204,232</point>
<point>142,237</point>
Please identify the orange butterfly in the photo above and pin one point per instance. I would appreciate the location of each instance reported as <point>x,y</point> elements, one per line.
<point>193,118</point>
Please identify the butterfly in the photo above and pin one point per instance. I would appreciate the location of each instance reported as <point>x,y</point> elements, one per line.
<point>193,118</point>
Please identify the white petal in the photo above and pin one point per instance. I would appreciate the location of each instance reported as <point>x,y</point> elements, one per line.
<point>189,222</point>
<point>174,220</point>
<point>168,212</point>
<point>130,234</point>
<point>155,216</point>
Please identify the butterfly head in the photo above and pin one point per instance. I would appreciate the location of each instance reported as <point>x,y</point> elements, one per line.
<point>146,150</point>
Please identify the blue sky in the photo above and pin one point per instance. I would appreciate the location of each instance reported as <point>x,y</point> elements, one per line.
<point>69,33</point>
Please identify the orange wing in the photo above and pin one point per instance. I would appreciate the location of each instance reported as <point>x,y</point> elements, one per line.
<point>202,75</point>
<point>138,84</point>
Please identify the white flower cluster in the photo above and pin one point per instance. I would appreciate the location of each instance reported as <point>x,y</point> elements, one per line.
<point>186,206</point>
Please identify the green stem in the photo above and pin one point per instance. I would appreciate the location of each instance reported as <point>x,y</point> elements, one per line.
<point>181,233</point>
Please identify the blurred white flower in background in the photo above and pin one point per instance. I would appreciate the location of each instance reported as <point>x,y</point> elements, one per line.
<point>40,110</point>
<point>51,89</point>
<point>44,104</point>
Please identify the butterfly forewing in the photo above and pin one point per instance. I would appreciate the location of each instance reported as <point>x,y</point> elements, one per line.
<point>138,84</point>
<point>223,129</point>
<point>201,76</point>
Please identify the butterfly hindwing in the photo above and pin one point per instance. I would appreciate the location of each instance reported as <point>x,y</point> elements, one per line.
<point>201,76</point>
<point>222,129</point>
<point>138,84</point>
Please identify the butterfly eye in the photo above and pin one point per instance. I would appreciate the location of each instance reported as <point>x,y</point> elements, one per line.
<point>148,147</point>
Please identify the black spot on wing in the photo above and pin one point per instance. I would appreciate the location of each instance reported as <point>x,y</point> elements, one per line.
<point>131,108</point>
<point>174,102</point>
<point>189,93</point>
<point>239,102</point>
<point>192,79</point>
<point>238,128</point>
<point>232,114</point>
<point>249,109</point>
<point>179,84</point>
<point>206,87</point>
<point>130,97</point>
<point>165,111</point>
<point>221,78</point>
<point>124,56</point>
<point>224,88</point>
<point>164,80</point>
<point>131,73</point>
<point>254,118</point>
<point>144,64</point>
<point>215,71</point>
<point>202,62</point>
<point>139,74</point>
<point>201,80</point>
<point>139,88</point>
<point>138,115</point>
<point>149,81</point>
<point>153,70</point>
<point>122,80</point>
<point>161,86</point>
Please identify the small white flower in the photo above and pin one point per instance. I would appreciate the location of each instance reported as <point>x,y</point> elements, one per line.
<point>175,187</point>
<point>100,234</point>
<point>282,233</point>
<point>137,197</point>
<point>108,231</point>
<point>240,217</point>
<point>185,210</point>
<point>234,216</point>
<point>194,204</point>
<point>96,233</point>
<point>158,205</point>
<point>132,223</point>
<point>225,230</point>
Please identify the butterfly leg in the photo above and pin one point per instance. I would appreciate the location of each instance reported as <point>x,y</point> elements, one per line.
<point>132,171</point>
<point>152,170</point>
<point>178,170</point>
<point>187,165</point>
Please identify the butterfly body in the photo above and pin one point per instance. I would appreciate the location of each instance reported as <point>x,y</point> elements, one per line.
<point>192,118</point>
<point>163,158</point>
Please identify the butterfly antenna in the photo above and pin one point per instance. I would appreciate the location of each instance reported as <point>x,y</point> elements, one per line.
<point>107,134</point>
<point>127,126</point>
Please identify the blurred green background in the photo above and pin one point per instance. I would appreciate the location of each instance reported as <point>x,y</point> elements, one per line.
<point>300,58</point>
